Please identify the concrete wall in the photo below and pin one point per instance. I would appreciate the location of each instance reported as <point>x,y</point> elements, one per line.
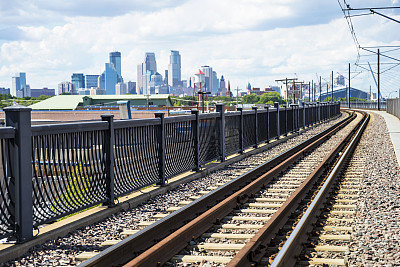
<point>393,107</point>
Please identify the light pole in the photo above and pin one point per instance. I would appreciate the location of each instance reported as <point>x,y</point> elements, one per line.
<point>147,101</point>
<point>202,98</point>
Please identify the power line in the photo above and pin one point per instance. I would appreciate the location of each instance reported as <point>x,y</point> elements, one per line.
<point>369,8</point>
<point>380,14</point>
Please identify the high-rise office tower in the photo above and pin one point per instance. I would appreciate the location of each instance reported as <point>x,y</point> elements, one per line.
<point>91,81</point>
<point>150,61</point>
<point>141,68</point>
<point>174,69</point>
<point>155,80</point>
<point>16,87</point>
<point>131,87</point>
<point>166,77</point>
<point>120,89</point>
<point>208,76</point>
<point>222,86</point>
<point>115,59</point>
<point>66,87</point>
<point>146,82</point>
<point>19,88</point>
<point>108,79</point>
<point>215,83</point>
<point>79,80</point>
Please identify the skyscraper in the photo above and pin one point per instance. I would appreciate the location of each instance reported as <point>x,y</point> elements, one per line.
<point>108,79</point>
<point>141,68</point>
<point>16,87</point>
<point>91,81</point>
<point>174,69</point>
<point>120,89</point>
<point>222,86</point>
<point>19,87</point>
<point>150,61</point>
<point>66,87</point>
<point>115,59</point>
<point>215,83</point>
<point>79,80</point>
<point>146,82</point>
<point>155,80</point>
<point>208,77</point>
<point>131,87</point>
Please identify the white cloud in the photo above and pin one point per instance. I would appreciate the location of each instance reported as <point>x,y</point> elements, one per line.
<point>242,40</point>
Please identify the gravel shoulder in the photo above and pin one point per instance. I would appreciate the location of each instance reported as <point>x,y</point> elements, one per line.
<point>376,237</point>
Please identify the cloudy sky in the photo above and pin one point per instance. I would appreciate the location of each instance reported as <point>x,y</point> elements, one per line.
<point>254,41</point>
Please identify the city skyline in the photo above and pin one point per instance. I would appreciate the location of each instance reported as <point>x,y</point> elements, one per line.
<point>250,41</point>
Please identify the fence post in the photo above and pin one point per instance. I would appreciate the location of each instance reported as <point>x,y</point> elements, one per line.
<point>220,107</point>
<point>241,130</point>
<point>267,108</point>
<point>196,136</point>
<point>278,132</point>
<point>161,148</point>
<point>256,127</point>
<point>295,118</point>
<point>21,163</point>
<point>286,120</point>
<point>318,112</point>
<point>109,159</point>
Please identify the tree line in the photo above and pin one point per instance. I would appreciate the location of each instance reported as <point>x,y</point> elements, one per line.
<point>9,100</point>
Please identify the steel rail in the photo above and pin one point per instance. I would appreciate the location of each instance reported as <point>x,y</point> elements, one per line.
<point>135,244</point>
<point>175,242</point>
<point>255,249</point>
<point>293,245</point>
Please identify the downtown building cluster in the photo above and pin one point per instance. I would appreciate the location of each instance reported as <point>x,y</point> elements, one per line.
<point>149,80</point>
<point>109,82</point>
<point>19,88</point>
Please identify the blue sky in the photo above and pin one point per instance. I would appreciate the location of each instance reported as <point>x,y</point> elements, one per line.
<point>254,41</point>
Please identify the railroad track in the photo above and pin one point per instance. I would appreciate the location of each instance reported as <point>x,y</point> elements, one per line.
<point>243,215</point>
<point>322,233</point>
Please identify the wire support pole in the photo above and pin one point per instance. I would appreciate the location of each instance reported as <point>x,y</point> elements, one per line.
<point>349,87</point>
<point>379,83</point>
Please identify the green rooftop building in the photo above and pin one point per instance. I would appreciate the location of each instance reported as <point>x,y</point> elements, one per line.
<point>74,102</point>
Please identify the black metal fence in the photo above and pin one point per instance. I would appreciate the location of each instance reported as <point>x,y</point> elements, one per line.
<point>51,171</point>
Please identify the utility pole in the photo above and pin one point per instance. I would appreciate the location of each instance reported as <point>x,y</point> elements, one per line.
<point>379,85</point>
<point>294,92</point>
<point>312,90</point>
<point>301,90</point>
<point>327,92</point>
<point>237,97</point>
<point>320,88</point>
<point>294,85</point>
<point>332,88</point>
<point>286,80</point>
<point>350,87</point>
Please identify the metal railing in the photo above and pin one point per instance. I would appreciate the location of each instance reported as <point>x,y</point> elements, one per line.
<point>51,171</point>
<point>364,104</point>
<point>393,107</point>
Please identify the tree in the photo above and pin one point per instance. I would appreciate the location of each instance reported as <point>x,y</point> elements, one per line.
<point>269,97</point>
<point>251,99</point>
